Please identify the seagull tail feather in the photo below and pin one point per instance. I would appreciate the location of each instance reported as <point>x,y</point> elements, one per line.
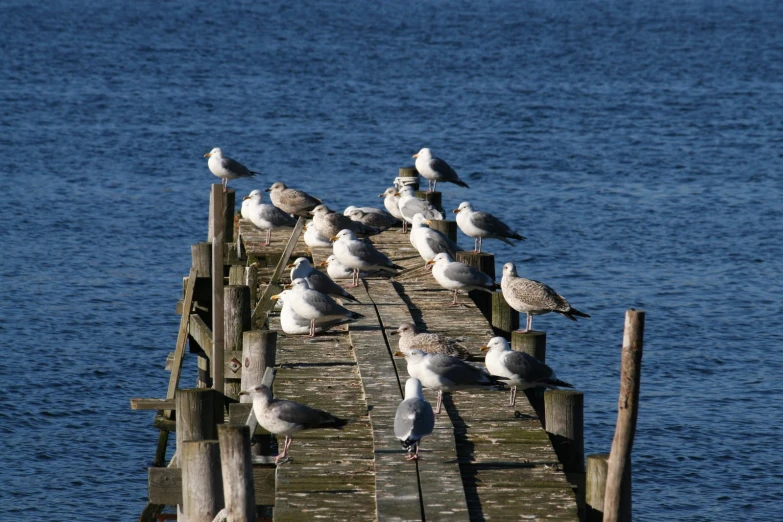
<point>571,312</point>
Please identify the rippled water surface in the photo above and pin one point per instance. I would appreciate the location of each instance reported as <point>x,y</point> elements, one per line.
<point>637,146</point>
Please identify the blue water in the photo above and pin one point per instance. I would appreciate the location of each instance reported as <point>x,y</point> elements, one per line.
<point>637,146</point>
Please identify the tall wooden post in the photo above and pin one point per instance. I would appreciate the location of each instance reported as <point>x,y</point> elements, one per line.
<point>595,486</point>
<point>218,227</point>
<point>201,258</point>
<point>564,422</point>
<point>258,353</point>
<point>236,322</point>
<point>237,465</point>
<point>617,500</point>
<point>485,263</point>
<point>202,483</point>
<point>228,199</point>
<point>412,174</point>
<point>532,343</point>
<point>199,411</point>
<point>449,228</point>
<point>504,318</point>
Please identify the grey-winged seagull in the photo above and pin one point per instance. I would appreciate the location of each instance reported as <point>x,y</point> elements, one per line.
<point>410,205</point>
<point>281,417</point>
<point>414,419</point>
<point>360,255</point>
<point>479,225</point>
<point>456,276</point>
<point>428,242</point>
<point>301,268</point>
<point>435,169</point>
<point>226,168</point>
<point>263,216</point>
<point>294,324</point>
<point>519,369</point>
<point>314,305</point>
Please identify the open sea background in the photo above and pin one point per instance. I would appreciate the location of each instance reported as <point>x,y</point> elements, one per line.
<point>636,144</point>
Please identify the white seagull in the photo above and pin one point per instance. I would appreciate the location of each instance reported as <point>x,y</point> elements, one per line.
<point>480,225</point>
<point>360,255</point>
<point>226,168</point>
<point>456,276</point>
<point>263,216</point>
<point>414,419</point>
<point>435,169</point>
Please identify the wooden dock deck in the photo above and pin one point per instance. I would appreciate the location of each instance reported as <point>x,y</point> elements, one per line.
<point>484,461</point>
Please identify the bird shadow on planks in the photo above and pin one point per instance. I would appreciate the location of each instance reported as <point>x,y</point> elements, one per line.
<point>416,314</point>
<point>467,471</point>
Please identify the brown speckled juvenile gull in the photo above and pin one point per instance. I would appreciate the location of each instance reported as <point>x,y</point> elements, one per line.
<point>329,223</point>
<point>412,339</point>
<point>533,298</point>
<point>519,369</point>
<point>281,417</point>
<point>291,200</point>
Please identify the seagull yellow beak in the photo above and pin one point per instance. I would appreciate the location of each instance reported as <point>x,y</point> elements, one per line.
<point>399,354</point>
<point>323,264</point>
<point>484,348</point>
<point>427,221</point>
<point>381,195</point>
<point>245,392</point>
<point>416,155</point>
<point>333,238</point>
<point>290,265</point>
<point>456,211</point>
<point>288,287</point>
<point>275,297</point>
<point>246,197</point>
<point>431,262</point>
<point>396,193</point>
<point>208,154</point>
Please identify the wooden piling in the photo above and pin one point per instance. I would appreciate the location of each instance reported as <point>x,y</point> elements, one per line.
<point>433,198</point>
<point>595,486</point>
<point>532,343</point>
<point>412,173</point>
<point>236,322</point>
<point>504,318</point>
<point>259,349</point>
<point>236,275</point>
<point>199,411</point>
<point>201,258</point>
<point>217,223</point>
<point>617,499</point>
<point>449,228</point>
<point>202,483</point>
<point>251,279</point>
<point>227,203</point>
<point>237,467</point>
<point>564,422</point>
<point>486,263</point>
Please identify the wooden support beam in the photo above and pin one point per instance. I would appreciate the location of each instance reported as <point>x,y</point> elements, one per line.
<point>532,343</point>
<point>259,348</point>
<point>153,404</point>
<point>504,318</point>
<point>595,486</point>
<point>165,484</point>
<point>199,411</point>
<point>236,322</point>
<point>227,202</point>
<point>201,334</point>
<point>218,236</point>
<point>617,499</point>
<point>201,258</point>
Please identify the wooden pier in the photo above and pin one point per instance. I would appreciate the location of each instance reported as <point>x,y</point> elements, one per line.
<point>484,461</point>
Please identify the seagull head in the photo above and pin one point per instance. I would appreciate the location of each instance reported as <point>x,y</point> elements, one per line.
<point>497,344</point>
<point>348,210</point>
<point>356,214</point>
<point>255,195</point>
<point>419,220</point>
<point>281,295</point>
<point>424,153</point>
<point>344,234</point>
<point>214,152</point>
<point>463,206</point>
<point>299,261</point>
<point>442,257</point>
<point>406,191</point>
<point>320,210</point>
<point>299,284</point>
<point>328,261</point>
<point>391,191</point>
<point>413,389</point>
<point>510,269</point>
<point>277,186</point>
<point>260,392</point>
<point>405,329</point>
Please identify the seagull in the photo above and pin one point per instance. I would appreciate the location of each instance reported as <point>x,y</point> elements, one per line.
<point>380,220</point>
<point>313,239</point>
<point>410,205</point>
<point>226,168</point>
<point>264,216</point>
<point>367,210</point>
<point>336,269</point>
<point>428,242</point>
<point>414,419</point>
<point>435,169</point>
<point>281,417</point>
<point>318,281</point>
<point>314,305</point>
<point>391,203</point>
<point>294,324</point>
<point>533,298</point>
<point>329,223</point>
<point>445,373</point>
<point>519,369</point>
<point>456,276</point>
<point>292,201</point>
<point>478,225</point>
<point>412,339</point>
<point>359,255</point>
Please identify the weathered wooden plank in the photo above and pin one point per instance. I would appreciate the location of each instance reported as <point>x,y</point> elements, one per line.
<point>165,485</point>
<point>152,404</point>
<point>201,333</point>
